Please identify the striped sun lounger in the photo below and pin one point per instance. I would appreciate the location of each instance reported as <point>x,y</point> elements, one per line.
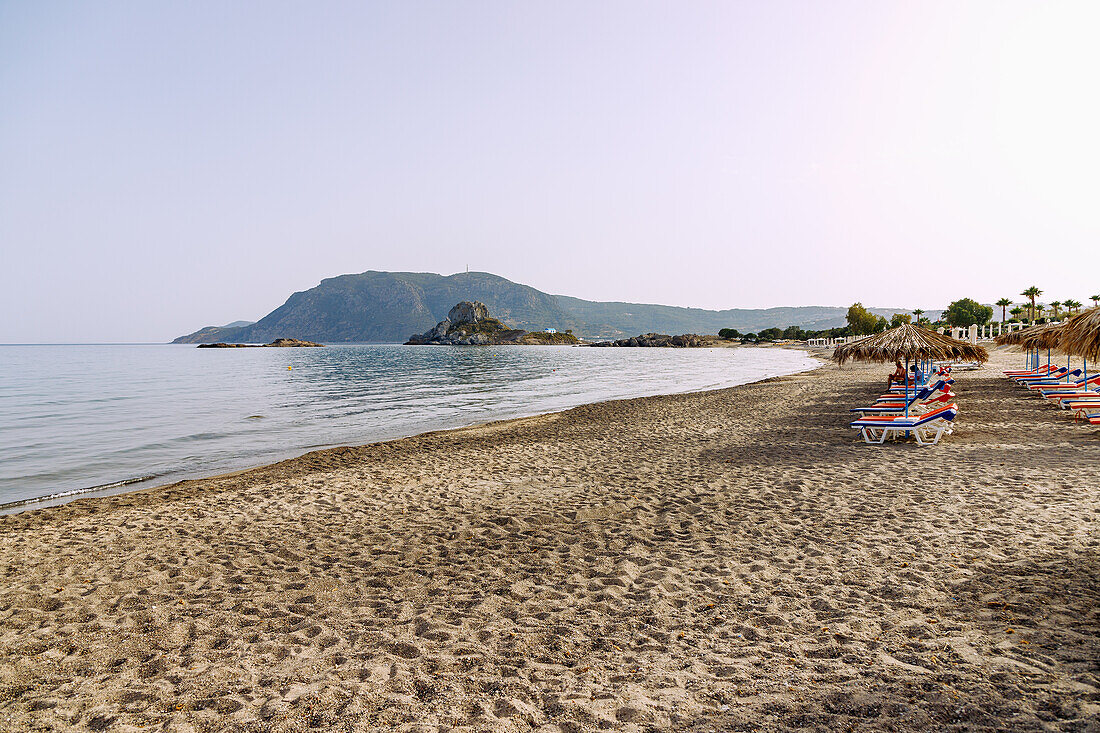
<point>1052,378</point>
<point>917,405</point>
<point>1076,400</point>
<point>1013,373</point>
<point>1083,408</point>
<point>1062,394</point>
<point>1080,384</point>
<point>919,394</point>
<point>927,428</point>
<point>1041,373</point>
<point>897,392</point>
<point>1092,418</point>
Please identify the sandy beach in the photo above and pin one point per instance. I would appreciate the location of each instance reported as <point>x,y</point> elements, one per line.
<point>727,560</point>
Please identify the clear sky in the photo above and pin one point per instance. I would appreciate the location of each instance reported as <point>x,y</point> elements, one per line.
<point>165,166</point>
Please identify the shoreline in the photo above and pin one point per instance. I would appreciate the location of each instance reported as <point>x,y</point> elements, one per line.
<point>106,490</point>
<point>717,560</point>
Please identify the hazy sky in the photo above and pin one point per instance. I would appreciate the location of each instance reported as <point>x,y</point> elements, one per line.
<point>165,166</point>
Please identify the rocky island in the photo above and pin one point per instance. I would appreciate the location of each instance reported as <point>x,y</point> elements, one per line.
<point>469,324</point>
<point>277,343</point>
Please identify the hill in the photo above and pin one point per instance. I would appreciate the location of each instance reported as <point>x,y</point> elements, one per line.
<point>389,306</point>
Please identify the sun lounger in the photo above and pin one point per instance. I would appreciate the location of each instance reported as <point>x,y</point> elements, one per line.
<point>892,401</point>
<point>1082,406</point>
<point>1013,373</point>
<point>1092,418</point>
<point>1082,395</point>
<point>1054,393</point>
<point>1066,386</point>
<point>1043,372</point>
<point>1052,378</point>
<point>916,406</point>
<point>927,428</point>
<point>918,394</point>
<point>898,391</point>
<point>921,395</point>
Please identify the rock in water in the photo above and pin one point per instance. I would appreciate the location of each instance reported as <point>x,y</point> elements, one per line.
<point>469,324</point>
<point>277,343</point>
<point>293,342</point>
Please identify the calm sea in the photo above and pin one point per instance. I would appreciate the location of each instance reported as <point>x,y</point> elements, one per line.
<point>96,419</point>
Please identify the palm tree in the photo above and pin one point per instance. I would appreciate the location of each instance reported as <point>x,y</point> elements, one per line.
<point>1095,300</point>
<point>1056,304</point>
<point>1072,305</point>
<point>1016,312</point>
<point>1004,303</point>
<point>1033,293</point>
<point>917,313</point>
<point>1039,308</point>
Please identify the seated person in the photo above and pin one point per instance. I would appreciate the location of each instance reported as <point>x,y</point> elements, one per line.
<point>898,375</point>
<point>918,375</point>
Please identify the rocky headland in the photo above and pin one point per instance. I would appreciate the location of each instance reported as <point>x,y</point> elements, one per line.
<point>386,307</point>
<point>277,343</point>
<point>687,340</point>
<point>469,324</point>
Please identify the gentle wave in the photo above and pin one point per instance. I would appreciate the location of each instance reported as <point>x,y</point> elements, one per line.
<point>75,492</point>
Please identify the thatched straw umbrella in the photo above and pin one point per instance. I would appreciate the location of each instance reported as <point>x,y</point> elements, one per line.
<point>1016,337</point>
<point>908,342</point>
<point>1081,335</point>
<point>1026,339</point>
<point>1049,336</point>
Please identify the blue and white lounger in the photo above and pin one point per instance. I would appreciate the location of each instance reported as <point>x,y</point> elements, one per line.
<point>927,428</point>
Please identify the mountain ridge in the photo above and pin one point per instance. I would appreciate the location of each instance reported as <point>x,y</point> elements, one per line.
<point>388,307</point>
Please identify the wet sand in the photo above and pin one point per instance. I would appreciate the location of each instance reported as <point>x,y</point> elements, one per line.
<point>728,560</point>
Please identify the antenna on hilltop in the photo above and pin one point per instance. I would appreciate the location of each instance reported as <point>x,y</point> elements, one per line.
<point>467,269</point>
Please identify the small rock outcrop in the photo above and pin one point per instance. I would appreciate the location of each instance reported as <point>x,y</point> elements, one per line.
<point>468,312</point>
<point>687,340</point>
<point>277,343</point>
<point>469,324</point>
<point>293,342</point>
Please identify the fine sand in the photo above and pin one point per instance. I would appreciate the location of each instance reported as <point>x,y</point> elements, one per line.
<point>729,560</point>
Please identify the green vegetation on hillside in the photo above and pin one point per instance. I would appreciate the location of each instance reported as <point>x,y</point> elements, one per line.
<point>551,339</point>
<point>488,326</point>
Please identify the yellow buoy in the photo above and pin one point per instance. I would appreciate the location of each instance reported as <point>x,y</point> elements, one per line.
<point>288,369</point>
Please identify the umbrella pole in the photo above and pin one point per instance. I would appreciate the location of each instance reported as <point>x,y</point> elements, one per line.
<point>907,386</point>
